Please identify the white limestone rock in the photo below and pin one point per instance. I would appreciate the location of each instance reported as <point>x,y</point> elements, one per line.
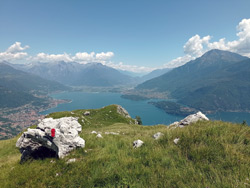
<point>176,140</point>
<point>137,143</point>
<point>189,119</point>
<point>94,132</point>
<point>99,136</point>
<point>39,143</point>
<point>156,136</point>
<point>71,160</point>
<point>87,113</point>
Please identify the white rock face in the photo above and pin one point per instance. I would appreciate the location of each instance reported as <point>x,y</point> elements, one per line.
<point>39,141</point>
<point>190,119</point>
<point>137,143</point>
<point>122,111</point>
<point>156,136</point>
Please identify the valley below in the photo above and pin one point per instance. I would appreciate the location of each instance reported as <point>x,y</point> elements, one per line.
<point>15,120</point>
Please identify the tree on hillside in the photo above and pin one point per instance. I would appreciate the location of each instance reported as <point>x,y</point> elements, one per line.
<point>138,119</point>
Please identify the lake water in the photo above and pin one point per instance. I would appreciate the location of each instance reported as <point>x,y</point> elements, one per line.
<point>149,114</point>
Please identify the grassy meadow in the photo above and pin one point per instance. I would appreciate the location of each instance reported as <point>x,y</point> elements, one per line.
<point>208,154</point>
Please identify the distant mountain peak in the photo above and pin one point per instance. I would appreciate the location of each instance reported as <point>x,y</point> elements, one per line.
<point>218,80</point>
<point>216,54</point>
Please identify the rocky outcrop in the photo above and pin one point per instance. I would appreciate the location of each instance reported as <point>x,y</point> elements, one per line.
<point>51,138</point>
<point>122,111</point>
<point>189,119</point>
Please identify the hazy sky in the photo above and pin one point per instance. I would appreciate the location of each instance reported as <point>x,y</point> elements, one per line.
<point>136,35</point>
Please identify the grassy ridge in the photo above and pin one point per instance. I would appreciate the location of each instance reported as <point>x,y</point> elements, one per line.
<point>208,154</point>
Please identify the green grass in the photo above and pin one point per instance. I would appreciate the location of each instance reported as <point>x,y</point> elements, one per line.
<point>208,154</point>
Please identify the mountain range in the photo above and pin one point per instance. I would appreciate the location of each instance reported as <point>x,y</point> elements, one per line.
<point>218,80</point>
<point>75,74</point>
<point>18,88</point>
<point>19,82</point>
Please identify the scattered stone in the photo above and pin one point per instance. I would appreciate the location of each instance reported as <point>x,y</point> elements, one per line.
<point>39,143</point>
<point>156,136</point>
<point>189,119</point>
<point>86,151</point>
<point>99,136</point>
<point>71,161</point>
<point>113,133</point>
<point>52,161</point>
<point>94,132</point>
<point>176,140</point>
<point>137,143</point>
<point>87,113</point>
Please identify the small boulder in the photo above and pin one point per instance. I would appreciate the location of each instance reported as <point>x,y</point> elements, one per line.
<point>51,138</point>
<point>99,136</point>
<point>189,119</point>
<point>71,160</point>
<point>137,143</point>
<point>156,136</point>
<point>94,132</point>
<point>87,113</point>
<point>176,140</point>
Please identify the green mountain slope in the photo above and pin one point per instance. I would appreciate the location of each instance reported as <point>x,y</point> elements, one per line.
<point>219,80</point>
<point>17,88</point>
<point>11,98</point>
<point>208,154</point>
<point>18,80</point>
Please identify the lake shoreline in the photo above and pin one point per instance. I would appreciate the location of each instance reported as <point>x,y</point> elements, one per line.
<point>150,114</point>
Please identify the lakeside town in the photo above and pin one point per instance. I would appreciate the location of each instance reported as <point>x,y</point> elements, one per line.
<point>15,120</point>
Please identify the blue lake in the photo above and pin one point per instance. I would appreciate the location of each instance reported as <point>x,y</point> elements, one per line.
<point>149,114</point>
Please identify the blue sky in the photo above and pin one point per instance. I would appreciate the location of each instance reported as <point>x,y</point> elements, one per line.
<point>136,35</point>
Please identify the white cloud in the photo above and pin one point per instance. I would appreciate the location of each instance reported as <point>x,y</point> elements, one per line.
<point>179,61</point>
<point>193,48</point>
<point>42,57</point>
<point>104,56</point>
<point>14,52</point>
<point>15,48</point>
<point>80,57</point>
<point>131,68</point>
<point>196,46</point>
<point>84,57</point>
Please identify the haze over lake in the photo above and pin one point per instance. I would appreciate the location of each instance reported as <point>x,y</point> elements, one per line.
<point>149,114</point>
